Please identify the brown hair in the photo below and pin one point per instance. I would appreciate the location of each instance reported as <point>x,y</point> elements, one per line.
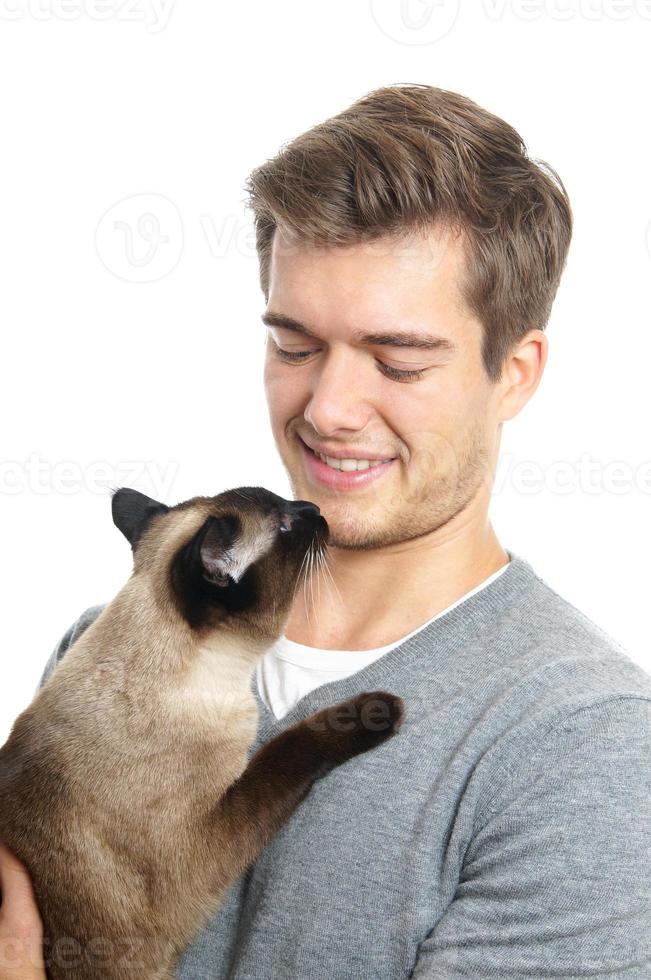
<point>406,156</point>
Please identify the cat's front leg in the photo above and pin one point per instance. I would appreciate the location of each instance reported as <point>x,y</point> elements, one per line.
<point>282,771</point>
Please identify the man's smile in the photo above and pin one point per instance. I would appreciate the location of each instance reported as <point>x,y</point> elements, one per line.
<point>344,471</point>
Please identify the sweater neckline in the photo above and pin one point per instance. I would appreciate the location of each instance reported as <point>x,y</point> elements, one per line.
<point>438,636</point>
<point>318,658</point>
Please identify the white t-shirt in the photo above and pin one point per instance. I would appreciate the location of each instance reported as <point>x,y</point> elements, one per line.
<point>288,670</point>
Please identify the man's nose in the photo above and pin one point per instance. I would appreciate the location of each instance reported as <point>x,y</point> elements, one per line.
<point>337,400</point>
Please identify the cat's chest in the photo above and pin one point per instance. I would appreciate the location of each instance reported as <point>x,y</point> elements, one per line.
<point>215,691</point>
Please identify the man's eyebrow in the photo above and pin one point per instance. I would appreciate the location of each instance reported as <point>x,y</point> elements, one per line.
<point>420,341</point>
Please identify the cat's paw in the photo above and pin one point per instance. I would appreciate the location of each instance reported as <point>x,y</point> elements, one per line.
<point>351,727</point>
<point>394,709</point>
<point>380,715</point>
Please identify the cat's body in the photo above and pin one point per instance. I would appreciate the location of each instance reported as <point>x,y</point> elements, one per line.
<point>124,786</point>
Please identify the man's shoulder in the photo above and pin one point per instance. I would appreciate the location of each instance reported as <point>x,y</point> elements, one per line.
<point>552,679</point>
<point>74,631</point>
<point>579,658</point>
<point>82,623</point>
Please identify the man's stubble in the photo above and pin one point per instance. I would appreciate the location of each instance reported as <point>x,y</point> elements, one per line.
<point>434,485</point>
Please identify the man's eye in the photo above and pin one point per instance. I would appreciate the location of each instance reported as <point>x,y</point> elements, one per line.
<point>399,375</point>
<point>292,355</point>
<point>396,374</point>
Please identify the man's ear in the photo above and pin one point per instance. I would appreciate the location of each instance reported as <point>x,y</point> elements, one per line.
<point>522,372</point>
<point>132,512</point>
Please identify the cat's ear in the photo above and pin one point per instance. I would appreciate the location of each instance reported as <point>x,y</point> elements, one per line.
<point>132,511</point>
<point>212,544</point>
<point>203,572</point>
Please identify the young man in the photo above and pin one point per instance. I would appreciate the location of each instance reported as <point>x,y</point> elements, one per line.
<point>410,252</point>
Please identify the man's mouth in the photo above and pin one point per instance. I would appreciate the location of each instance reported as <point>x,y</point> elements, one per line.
<point>344,473</point>
<point>347,464</point>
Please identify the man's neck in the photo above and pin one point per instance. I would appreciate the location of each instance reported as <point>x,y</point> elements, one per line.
<point>375,597</point>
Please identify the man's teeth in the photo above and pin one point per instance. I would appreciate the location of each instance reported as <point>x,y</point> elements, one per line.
<point>347,465</point>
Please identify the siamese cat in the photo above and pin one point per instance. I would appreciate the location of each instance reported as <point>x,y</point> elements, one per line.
<point>125,786</point>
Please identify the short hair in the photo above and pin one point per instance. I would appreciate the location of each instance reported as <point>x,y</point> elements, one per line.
<point>408,157</point>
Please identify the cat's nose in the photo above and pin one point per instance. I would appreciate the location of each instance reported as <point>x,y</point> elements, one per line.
<point>297,510</point>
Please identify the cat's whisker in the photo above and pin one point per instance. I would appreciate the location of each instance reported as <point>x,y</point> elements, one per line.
<point>303,563</point>
<point>326,570</point>
<point>298,577</point>
<point>312,576</point>
<point>323,568</point>
<point>319,566</point>
<point>305,581</point>
<point>309,577</point>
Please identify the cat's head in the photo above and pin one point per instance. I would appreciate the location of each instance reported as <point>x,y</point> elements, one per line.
<point>231,561</point>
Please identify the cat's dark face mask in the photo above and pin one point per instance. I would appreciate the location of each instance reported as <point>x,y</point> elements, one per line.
<point>243,562</point>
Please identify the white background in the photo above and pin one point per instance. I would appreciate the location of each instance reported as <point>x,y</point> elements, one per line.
<point>127,364</point>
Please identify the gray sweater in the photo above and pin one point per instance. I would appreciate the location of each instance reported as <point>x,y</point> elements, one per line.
<point>505,832</point>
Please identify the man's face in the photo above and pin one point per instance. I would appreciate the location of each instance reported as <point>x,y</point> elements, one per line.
<point>336,391</point>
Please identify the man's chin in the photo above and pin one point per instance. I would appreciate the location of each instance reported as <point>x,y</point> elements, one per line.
<point>356,529</point>
<point>356,519</point>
